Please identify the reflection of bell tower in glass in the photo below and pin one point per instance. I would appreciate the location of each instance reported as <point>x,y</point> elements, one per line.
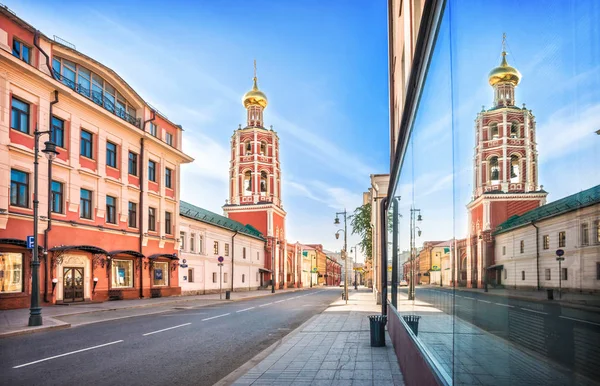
<point>255,178</point>
<point>505,170</point>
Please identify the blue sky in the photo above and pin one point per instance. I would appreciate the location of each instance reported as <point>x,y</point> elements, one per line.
<point>555,46</point>
<point>323,66</point>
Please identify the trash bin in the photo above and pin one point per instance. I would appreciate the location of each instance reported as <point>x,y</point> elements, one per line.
<point>413,323</point>
<point>377,323</point>
<point>227,295</point>
<point>550,294</point>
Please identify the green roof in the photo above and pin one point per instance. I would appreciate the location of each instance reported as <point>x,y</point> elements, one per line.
<point>196,213</point>
<point>570,203</point>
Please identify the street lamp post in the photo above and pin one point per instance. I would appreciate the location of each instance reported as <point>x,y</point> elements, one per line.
<point>355,279</point>
<point>273,266</point>
<point>344,253</point>
<point>413,227</point>
<point>35,311</point>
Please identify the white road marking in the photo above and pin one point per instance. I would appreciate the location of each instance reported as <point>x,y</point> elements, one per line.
<point>215,317</point>
<point>166,329</point>
<point>246,309</point>
<point>537,312</point>
<point>279,301</point>
<point>466,297</point>
<point>504,305</point>
<point>579,320</point>
<point>65,354</point>
<point>266,304</point>
<point>485,301</point>
<point>458,296</point>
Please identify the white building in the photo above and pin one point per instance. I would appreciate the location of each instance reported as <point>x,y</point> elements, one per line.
<point>204,236</point>
<point>571,224</point>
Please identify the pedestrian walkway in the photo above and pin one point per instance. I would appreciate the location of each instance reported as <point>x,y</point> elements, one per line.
<point>332,348</point>
<point>14,322</point>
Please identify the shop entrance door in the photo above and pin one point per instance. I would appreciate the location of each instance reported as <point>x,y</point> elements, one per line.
<point>72,285</point>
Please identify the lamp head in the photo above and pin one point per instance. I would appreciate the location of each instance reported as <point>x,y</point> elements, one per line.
<point>95,280</point>
<point>54,281</point>
<point>337,220</point>
<point>337,236</point>
<point>50,150</point>
<point>419,233</point>
<point>419,218</point>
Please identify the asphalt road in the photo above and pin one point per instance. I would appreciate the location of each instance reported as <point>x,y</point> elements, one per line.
<point>566,335</point>
<point>192,346</point>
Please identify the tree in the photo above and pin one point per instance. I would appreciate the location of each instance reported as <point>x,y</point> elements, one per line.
<point>361,225</point>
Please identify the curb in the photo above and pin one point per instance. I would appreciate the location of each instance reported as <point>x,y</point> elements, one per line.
<point>32,330</point>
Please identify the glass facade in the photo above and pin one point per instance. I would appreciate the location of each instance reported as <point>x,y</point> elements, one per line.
<point>491,211</point>
<point>122,273</point>
<point>161,274</point>
<point>11,272</point>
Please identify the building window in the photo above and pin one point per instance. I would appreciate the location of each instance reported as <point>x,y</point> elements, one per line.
<point>111,210</point>
<point>151,171</point>
<point>226,249</point>
<point>514,129</point>
<point>257,255</point>
<point>225,277</point>
<point>111,154</point>
<point>546,242</point>
<point>244,252</point>
<point>216,248</point>
<point>11,272</point>
<point>548,275</point>
<point>514,169</point>
<point>505,274</point>
<point>585,237</point>
<point>248,147</point>
<point>597,271</point>
<point>86,144</point>
<point>182,240</point>
<point>122,273</point>
<point>19,116</point>
<point>133,169</point>
<point>494,130</point>
<point>169,139</point>
<point>503,250</point>
<point>190,275</point>
<point>494,169</point>
<point>247,183</point>
<point>263,183</point>
<point>597,233</point>
<point>57,197</point>
<point>257,276</point>
<point>152,219</point>
<point>19,188</point>
<point>243,278</point>
<point>132,215</point>
<point>563,273</point>
<point>522,247</point>
<point>168,229</point>
<point>85,204</point>
<point>153,129</point>
<point>192,242</point>
<point>562,239</point>
<point>263,148</point>
<point>57,135</point>
<point>522,275</point>
<point>168,176</point>
<point>161,273</point>
<point>21,51</point>
<point>201,247</point>
<point>214,277</point>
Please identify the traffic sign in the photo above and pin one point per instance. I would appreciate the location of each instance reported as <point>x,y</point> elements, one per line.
<point>30,242</point>
<point>220,259</point>
<point>220,264</point>
<point>560,259</point>
<point>560,252</point>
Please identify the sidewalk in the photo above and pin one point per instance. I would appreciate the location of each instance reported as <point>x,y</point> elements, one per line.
<point>14,322</point>
<point>569,299</point>
<point>332,348</point>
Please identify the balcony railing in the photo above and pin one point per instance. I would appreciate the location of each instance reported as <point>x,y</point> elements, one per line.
<point>101,100</point>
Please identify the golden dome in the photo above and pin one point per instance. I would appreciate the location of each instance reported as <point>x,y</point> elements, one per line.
<point>255,97</point>
<point>504,73</point>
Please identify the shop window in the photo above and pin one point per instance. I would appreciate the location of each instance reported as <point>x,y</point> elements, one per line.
<point>21,51</point>
<point>132,164</point>
<point>111,210</point>
<point>152,219</point>
<point>19,115</point>
<point>546,242</point>
<point>161,273</point>
<point>86,142</point>
<point>132,215</point>
<point>216,247</point>
<point>548,274</point>
<point>57,134</point>
<point>562,239</point>
<point>168,227</point>
<point>190,275</point>
<point>585,237</point>
<point>19,188</point>
<point>122,273</point>
<point>85,204</point>
<point>226,249</point>
<point>111,154</point>
<point>11,272</point>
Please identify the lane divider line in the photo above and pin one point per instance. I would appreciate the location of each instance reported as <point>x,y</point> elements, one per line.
<point>266,304</point>
<point>279,301</point>
<point>504,305</point>
<point>166,329</point>
<point>246,309</point>
<point>579,320</point>
<point>215,317</point>
<point>65,354</point>
<point>484,301</point>
<point>537,312</point>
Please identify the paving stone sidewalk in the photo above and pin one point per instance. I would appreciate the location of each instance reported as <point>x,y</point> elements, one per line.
<point>331,349</point>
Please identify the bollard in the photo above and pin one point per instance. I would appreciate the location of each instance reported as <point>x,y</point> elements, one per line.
<point>227,295</point>
<point>550,294</point>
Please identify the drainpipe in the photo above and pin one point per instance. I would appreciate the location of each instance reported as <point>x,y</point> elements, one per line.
<point>232,257</point>
<point>141,211</point>
<point>537,253</point>
<point>36,43</point>
<point>49,227</point>
<point>383,268</point>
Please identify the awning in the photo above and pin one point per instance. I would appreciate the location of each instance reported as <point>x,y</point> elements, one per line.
<point>83,248</point>
<point>126,252</point>
<point>264,270</point>
<point>18,243</point>
<point>166,255</point>
<point>496,266</point>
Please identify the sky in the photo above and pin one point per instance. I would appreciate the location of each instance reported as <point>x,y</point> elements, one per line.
<point>556,47</point>
<point>322,65</point>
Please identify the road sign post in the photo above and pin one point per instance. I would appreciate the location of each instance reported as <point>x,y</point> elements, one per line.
<point>560,259</point>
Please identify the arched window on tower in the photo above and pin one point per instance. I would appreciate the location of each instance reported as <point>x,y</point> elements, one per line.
<point>264,180</point>
<point>515,172</point>
<point>494,169</point>
<point>248,147</point>
<point>248,183</point>
<point>494,131</point>
<point>514,129</point>
<point>263,148</point>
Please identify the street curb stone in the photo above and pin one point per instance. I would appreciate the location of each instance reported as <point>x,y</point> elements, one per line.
<point>32,330</point>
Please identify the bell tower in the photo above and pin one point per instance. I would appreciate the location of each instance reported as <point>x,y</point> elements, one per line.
<point>505,168</point>
<point>255,180</point>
